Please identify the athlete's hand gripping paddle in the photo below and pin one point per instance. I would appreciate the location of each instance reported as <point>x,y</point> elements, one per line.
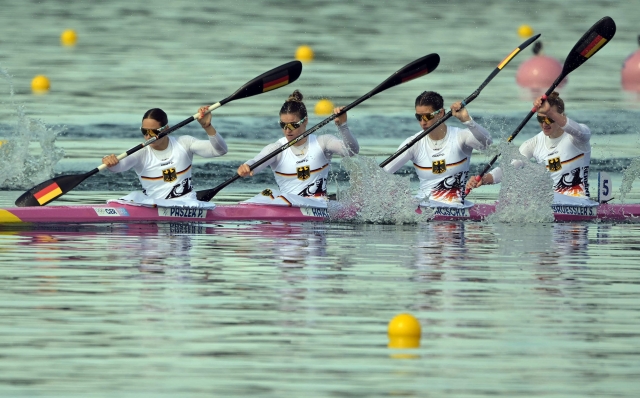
<point>589,44</point>
<point>52,189</point>
<point>465,102</point>
<point>415,69</point>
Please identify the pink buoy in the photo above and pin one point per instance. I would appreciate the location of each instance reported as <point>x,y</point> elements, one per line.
<point>540,71</point>
<point>631,72</point>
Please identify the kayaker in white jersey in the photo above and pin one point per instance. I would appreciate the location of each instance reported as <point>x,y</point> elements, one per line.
<point>442,158</point>
<point>164,166</point>
<point>302,170</point>
<point>564,146</point>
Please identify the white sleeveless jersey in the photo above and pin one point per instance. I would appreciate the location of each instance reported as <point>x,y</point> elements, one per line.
<point>167,178</point>
<point>443,173</point>
<point>568,165</point>
<point>303,175</point>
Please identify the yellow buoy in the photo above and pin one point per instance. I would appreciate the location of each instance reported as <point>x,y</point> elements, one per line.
<point>69,37</point>
<point>404,332</point>
<point>304,53</point>
<point>40,83</point>
<point>525,31</point>
<point>324,107</point>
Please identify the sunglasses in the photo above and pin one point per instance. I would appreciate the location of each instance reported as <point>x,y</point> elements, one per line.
<point>292,125</point>
<point>152,132</point>
<point>545,119</point>
<point>427,116</point>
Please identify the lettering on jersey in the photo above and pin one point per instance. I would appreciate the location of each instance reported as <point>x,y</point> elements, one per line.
<point>314,212</point>
<point>575,210</point>
<point>439,166</point>
<point>451,212</point>
<point>304,173</point>
<point>182,212</point>
<point>164,164</point>
<point>552,153</point>
<point>302,161</point>
<point>555,164</point>
<point>450,189</point>
<point>169,175</point>
<point>437,155</point>
<point>107,211</point>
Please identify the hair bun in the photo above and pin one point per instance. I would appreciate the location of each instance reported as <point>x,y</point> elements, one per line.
<point>554,95</point>
<point>295,96</point>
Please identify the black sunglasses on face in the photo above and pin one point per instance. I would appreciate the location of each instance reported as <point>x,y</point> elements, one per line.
<point>427,116</point>
<point>545,119</point>
<point>152,132</point>
<point>292,125</point>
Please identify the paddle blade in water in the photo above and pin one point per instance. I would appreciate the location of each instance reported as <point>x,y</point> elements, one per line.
<point>271,80</point>
<point>590,43</point>
<point>50,190</point>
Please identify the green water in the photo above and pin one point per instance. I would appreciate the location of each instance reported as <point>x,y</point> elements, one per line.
<point>302,310</point>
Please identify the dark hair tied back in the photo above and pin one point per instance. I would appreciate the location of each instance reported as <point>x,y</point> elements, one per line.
<point>158,115</point>
<point>554,100</point>
<point>294,105</point>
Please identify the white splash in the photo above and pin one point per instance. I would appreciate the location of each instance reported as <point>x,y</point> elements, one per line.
<point>375,196</point>
<point>629,175</point>
<point>19,167</point>
<point>526,193</point>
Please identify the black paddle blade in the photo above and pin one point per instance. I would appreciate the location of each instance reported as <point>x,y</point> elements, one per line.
<point>271,80</point>
<point>50,190</point>
<point>414,70</point>
<point>590,43</point>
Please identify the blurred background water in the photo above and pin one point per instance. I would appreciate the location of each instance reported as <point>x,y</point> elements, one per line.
<point>248,308</point>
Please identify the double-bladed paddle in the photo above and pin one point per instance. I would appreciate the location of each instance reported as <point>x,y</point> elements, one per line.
<point>415,69</point>
<point>590,43</point>
<point>465,102</point>
<point>52,189</point>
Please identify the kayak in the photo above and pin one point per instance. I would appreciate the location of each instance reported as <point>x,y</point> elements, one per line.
<point>121,213</point>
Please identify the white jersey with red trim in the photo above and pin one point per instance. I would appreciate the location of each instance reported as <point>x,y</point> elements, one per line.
<point>444,172</point>
<point>305,175</point>
<point>568,165</point>
<point>169,177</point>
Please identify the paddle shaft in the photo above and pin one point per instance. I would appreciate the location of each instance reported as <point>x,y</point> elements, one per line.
<point>159,136</point>
<point>49,190</point>
<point>413,70</point>
<point>207,195</point>
<point>590,43</point>
<point>465,102</point>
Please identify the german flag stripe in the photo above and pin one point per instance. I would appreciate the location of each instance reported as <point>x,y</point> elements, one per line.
<point>48,193</point>
<point>417,166</point>
<point>184,171</point>
<point>595,43</point>
<point>161,177</point>
<point>275,82</point>
<point>296,174</point>
<point>509,57</point>
<point>320,169</point>
<point>447,165</point>
<point>457,163</point>
<point>572,159</point>
<point>415,75</point>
